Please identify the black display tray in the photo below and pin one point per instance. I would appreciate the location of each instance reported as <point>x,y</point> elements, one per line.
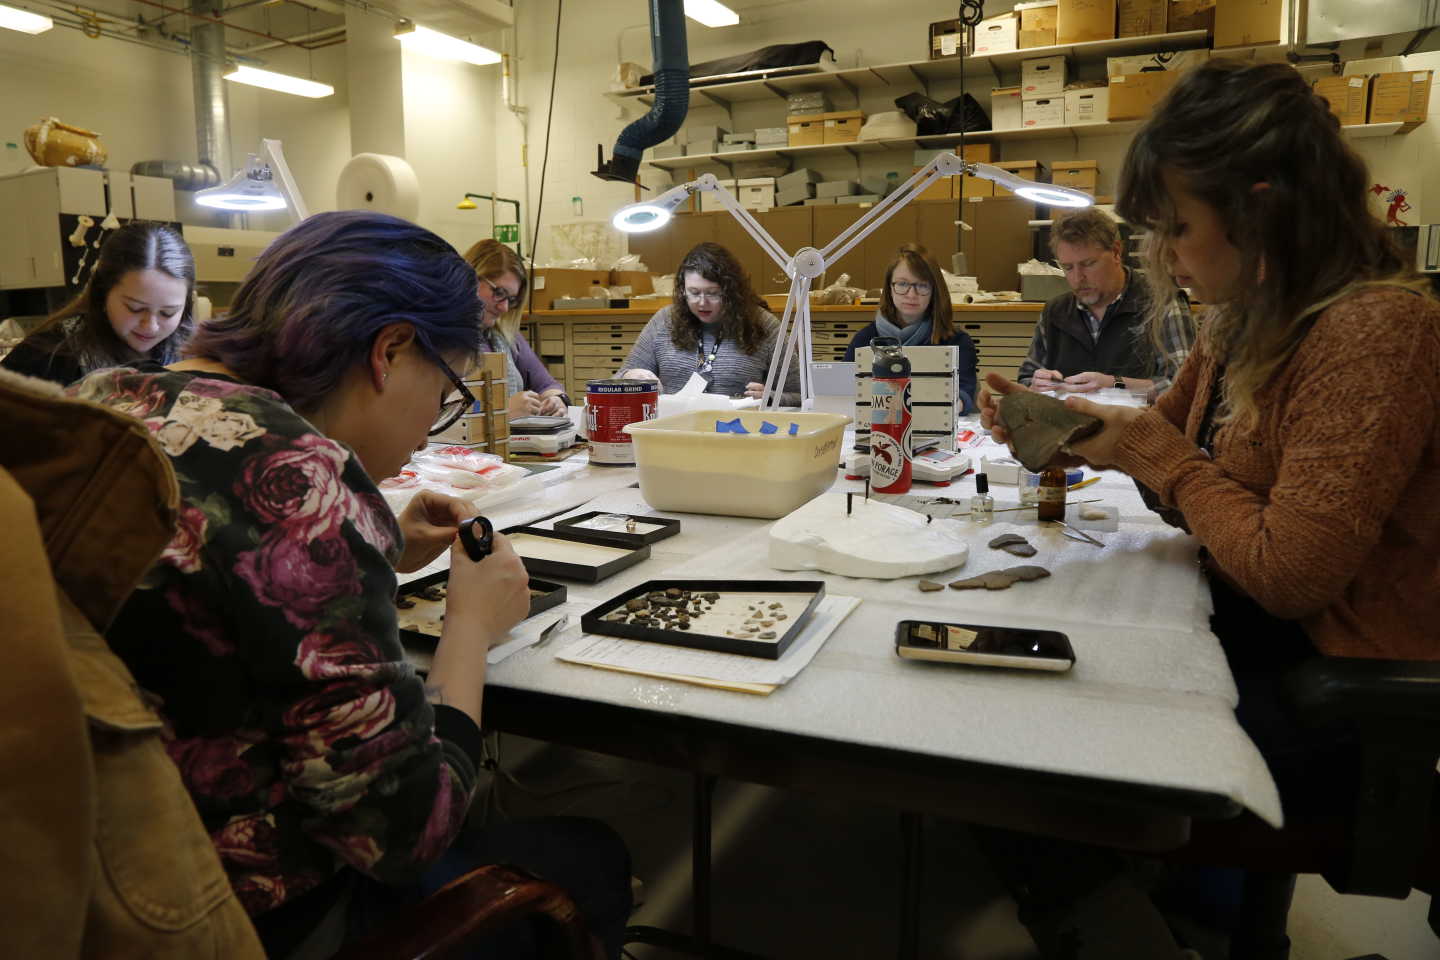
<point>664,527</point>
<point>586,573</point>
<point>593,620</point>
<point>551,595</point>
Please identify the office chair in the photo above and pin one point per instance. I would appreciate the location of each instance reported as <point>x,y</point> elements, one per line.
<point>1387,844</point>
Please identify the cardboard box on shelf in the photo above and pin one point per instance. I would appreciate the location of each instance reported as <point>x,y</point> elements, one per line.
<point>947,39</point>
<point>1133,96</point>
<point>1349,97</point>
<point>843,126</point>
<point>1036,170</point>
<point>923,156</point>
<point>1080,21</point>
<point>979,152</point>
<point>1186,15</point>
<point>997,35</point>
<point>1042,77</point>
<point>1177,60</point>
<point>1247,23</point>
<point>942,189</point>
<point>1037,23</point>
<point>859,198</point>
<point>807,102</point>
<point>836,188</point>
<point>1087,105</point>
<point>1005,111</point>
<point>698,148</point>
<point>1048,112</point>
<point>747,136</point>
<point>757,197</point>
<point>552,282</point>
<point>666,151</point>
<point>1080,174</point>
<point>1141,18</point>
<point>798,178</point>
<point>703,131</point>
<point>976,186</point>
<point>788,198</point>
<point>806,130</point>
<point>736,146</point>
<point>772,136</point>
<point>639,282</point>
<point>709,200</point>
<point>1402,97</point>
<point>820,202</point>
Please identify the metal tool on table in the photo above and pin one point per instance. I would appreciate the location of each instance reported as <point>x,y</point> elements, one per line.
<point>1075,533</point>
<point>945,508</point>
<point>550,631</point>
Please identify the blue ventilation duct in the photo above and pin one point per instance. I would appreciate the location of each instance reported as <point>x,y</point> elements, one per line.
<point>672,95</point>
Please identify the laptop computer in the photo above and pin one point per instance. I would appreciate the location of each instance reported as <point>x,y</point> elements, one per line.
<point>833,379</point>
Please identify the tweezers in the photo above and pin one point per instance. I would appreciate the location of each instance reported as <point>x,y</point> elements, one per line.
<point>549,631</point>
<point>1075,533</point>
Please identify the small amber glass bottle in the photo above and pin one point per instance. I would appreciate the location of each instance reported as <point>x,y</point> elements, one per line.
<point>1051,501</point>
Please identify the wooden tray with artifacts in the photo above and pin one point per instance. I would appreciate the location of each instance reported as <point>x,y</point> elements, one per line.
<point>757,618</point>
<point>420,606</point>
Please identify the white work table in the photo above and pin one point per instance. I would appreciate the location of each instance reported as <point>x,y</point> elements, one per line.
<point>1125,748</point>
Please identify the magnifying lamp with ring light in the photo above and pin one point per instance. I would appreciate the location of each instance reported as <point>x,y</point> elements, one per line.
<point>793,341</point>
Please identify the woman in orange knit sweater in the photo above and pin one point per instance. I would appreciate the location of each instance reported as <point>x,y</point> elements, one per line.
<point>1301,440</point>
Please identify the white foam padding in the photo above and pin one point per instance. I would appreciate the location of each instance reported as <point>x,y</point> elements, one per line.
<point>876,540</point>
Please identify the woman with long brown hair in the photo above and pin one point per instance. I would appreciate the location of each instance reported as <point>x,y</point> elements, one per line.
<point>139,305</point>
<point>1301,440</point>
<point>915,309</point>
<point>501,288</point>
<point>715,326</point>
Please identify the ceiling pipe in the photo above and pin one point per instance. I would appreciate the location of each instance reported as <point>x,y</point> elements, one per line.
<point>212,101</point>
<point>672,95</point>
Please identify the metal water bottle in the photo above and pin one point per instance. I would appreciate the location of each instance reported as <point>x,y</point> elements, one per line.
<point>889,417</point>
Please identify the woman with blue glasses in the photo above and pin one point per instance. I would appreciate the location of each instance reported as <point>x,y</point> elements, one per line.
<point>915,309</point>
<point>716,326</point>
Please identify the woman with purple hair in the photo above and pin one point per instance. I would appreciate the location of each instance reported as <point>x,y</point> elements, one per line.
<point>319,763</point>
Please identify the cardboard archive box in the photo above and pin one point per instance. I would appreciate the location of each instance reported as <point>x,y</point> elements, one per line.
<point>1042,77</point>
<point>1133,96</point>
<point>997,35</point>
<point>1080,174</point>
<point>942,189</point>
<point>1141,18</point>
<point>947,39</point>
<point>1080,21</point>
<point>806,129</point>
<point>842,126</point>
<point>1186,15</point>
<point>1178,60</point>
<point>1087,105</point>
<point>1037,23</point>
<point>1247,23</point>
<point>1045,112</point>
<point>552,282</point>
<point>977,186</point>
<point>1349,97</point>
<point>1005,110</point>
<point>1402,97</point>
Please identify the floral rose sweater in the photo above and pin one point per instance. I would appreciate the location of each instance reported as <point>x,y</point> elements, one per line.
<point>268,632</point>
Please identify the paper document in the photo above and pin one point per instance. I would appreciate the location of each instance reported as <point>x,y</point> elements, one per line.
<point>708,666</point>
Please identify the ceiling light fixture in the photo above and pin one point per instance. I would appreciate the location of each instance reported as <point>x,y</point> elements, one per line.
<point>281,82</point>
<point>13,18</point>
<point>711,13</point>
<point>432,43</point>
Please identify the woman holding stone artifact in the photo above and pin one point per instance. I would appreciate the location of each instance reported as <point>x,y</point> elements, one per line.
<point>1317,519</point>
<point>915,309</point>
<point>321,766</point>
<point>717,327</point>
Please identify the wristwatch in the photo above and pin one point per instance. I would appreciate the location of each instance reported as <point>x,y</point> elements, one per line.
<point>1120,383</point>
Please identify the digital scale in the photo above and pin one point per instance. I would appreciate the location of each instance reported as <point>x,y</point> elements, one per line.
<point>939,467</point>
<point>545,436</point>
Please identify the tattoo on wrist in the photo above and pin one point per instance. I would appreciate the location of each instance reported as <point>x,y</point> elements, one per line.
<point>434,693</point>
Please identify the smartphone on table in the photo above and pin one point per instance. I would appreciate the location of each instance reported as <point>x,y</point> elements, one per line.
<point>984,646</point>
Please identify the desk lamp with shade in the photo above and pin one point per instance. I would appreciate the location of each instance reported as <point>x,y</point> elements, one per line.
<point>263,184</point>
<point>807,264</point>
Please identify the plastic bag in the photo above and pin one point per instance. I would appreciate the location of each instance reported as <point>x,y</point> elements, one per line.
<point>933,118</point>
<point>481,478</point>
<point>631,262</point>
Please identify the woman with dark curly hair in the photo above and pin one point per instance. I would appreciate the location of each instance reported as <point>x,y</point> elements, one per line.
<point>139,305</point>
<point>717,327</point>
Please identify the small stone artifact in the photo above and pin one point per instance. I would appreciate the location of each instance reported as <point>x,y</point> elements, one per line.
<point>1000,579</point>
<point>930,586</point>
<point>1013,543</point>
<point>1039,426</point>
<point>1093,513</point>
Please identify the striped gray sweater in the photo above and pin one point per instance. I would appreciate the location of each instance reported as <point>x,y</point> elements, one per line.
<point>733,368</point>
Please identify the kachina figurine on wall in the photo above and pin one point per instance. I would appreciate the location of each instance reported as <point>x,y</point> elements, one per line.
<point>55,144</point>
<point>1397,204</point>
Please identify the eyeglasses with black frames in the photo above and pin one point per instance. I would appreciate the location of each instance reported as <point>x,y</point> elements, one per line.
<point>501,294</point>
<point>903,287</point>
<point>453,407</point>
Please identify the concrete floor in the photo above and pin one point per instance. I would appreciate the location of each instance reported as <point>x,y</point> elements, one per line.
<point>801,876</point>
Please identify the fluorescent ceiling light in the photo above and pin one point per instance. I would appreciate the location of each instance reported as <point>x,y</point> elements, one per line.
<point>251,190</point>
<point>435,44</point>
<point>647,215</point>
<point>279,81</point>
<point>13,18</point>
<point>711,13</point>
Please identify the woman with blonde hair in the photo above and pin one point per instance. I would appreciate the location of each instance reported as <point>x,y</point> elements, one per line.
<point>501,289</point>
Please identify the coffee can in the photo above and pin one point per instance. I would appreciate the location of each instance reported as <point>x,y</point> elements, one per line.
<point>611,406</point>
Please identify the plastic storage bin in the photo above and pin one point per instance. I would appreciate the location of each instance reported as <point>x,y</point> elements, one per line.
<point>686,466</point>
